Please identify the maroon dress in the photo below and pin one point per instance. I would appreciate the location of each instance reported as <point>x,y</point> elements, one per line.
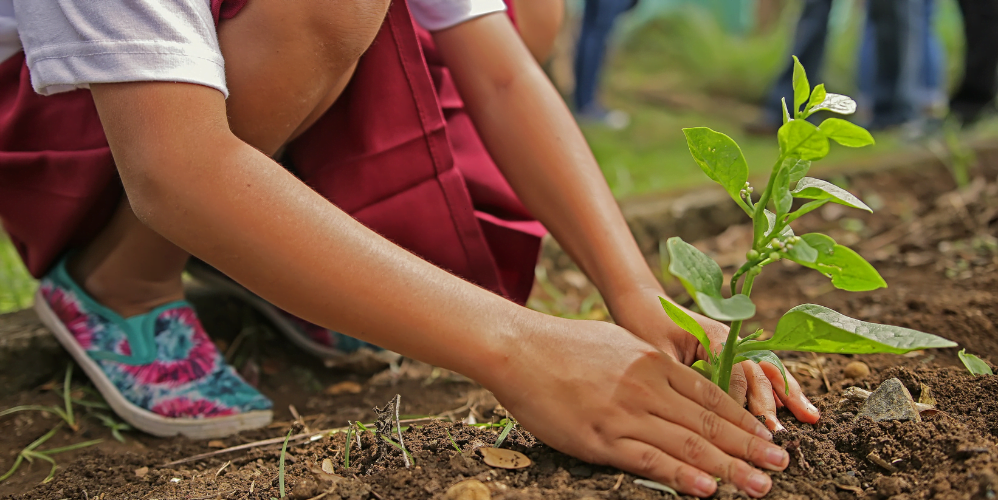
<point>397,151</point>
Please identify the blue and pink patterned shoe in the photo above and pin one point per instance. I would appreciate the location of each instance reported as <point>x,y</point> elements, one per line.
<point>333,347</point>
<point>158,371</point>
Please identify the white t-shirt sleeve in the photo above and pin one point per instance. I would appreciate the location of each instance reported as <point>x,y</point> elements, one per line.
<point>70,44</point>
<point>436,15</point>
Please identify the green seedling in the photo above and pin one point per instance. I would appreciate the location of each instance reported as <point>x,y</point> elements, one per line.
<point>975,365</point>
<point>65,413</point>
<point>453,442</point>
<point>30,453</point>
<point>507,428</point>
<point>115,426</point>
<point>346,450</point>
<point>807,327</point>
<point>280,466</point>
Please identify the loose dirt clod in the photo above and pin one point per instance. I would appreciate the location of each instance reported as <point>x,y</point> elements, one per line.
<point>891,401</point>
<point>469,489</point>
<point>856,370</point>
<point>503,458</point>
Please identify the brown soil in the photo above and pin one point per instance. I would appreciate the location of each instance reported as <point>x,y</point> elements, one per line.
<point>935,247</point>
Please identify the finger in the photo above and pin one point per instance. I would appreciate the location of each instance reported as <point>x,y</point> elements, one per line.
<point>738,386</point>
<point>701,391</point>
<point>776,397</point>
<point>795,401</point>
<point>761,399</point>
<point>723,434</point>
<point>691,448</point>
<point>648,461</point>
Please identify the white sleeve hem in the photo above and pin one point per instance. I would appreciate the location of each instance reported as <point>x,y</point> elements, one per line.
<point>61,68</point>
<point>436,15</point>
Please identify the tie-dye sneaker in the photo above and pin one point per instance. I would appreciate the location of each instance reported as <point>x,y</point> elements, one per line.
<point>334,347</point>
<point>158,371</point>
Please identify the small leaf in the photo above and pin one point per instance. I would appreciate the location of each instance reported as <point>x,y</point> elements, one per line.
<point>846,133</point>
<point>801,139</point>
<point>847,269</point>
<point>704,368</point>
<point>782,199</point>
<point>813,328</point>
<point>767,356</point>
<point>798,168</point>
<point>719,157</point>
<point>836,103</point>
<point>771,217</point>
<point>756,334</point>
<point>976,365</point>
<point>786,112</point>
<point>702,278</point>
<point>802,89</point>
<point>686,322</point>
<point>817,96</point>
<point>503,458</point>
<point>817,189</point>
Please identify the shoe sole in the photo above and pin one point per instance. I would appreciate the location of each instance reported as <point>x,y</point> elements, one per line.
<point>140,418</point>
<point>268,311</point>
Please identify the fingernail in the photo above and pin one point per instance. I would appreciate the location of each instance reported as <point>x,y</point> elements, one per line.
<point>705,485</point>
<point>763,432</point>
<point>758,484</point>
<point>777,456</point>
<point>811,408</point>
<point>779,427</point>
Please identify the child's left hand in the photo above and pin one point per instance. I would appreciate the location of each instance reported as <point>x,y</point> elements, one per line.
<point>760,384</point>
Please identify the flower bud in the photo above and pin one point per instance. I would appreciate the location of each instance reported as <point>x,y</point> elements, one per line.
<point>753,255</point>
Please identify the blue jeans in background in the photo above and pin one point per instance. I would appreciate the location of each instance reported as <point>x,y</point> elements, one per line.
<point>597,23</point>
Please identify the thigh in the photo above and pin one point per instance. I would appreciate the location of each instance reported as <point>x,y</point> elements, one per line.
<point>287,62</point>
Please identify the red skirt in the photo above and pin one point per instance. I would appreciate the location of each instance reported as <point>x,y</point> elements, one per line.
<point>397,151</point>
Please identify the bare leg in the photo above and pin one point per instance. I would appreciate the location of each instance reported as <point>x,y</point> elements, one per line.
<point>286,63</point>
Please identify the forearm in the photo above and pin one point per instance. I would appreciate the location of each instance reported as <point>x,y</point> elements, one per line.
<point>534,139</point>
<point>237,209</point>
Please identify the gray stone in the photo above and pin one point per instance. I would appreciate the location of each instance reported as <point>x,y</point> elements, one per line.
<point>891,401</point>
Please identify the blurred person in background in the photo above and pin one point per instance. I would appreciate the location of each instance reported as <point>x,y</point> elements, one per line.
<point>538,22</point>
<point>597,23</point>
<point>976,93</point>
<point>900,75</point>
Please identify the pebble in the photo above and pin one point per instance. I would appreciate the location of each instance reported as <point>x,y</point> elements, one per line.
<point>469,489</point>
<point>891,401</point>
<point>856,370</point>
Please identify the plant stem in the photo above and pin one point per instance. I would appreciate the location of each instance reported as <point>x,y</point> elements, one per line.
<point>728,353</point>
<point>759,220</point>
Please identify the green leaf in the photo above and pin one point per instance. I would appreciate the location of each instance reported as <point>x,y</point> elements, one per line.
<point>845,267</point>
<point>771,217</point>
<point>782,199</point>
<point>719,157</point>
<point>802,252</point>
<point>846,133</point>
<point>767,356</point>
<point>817,96</point>
<point>786,112</point>
<point>801,139</point>
<point>802,89</point>
<point>813,328</point>
<point>836,103</point>
<point>817,189</point>
<point>798,168</point>
<point>976,365</point>
<point>704,368</point>
<point>686,322</point>
<point>756,334</point>
<point>703,279</point>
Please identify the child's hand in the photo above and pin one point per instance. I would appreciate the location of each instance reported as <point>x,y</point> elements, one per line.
<point>593,390</point>
<point>642,314</point>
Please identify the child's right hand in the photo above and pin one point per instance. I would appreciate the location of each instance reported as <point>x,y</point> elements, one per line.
<point>597,392</point>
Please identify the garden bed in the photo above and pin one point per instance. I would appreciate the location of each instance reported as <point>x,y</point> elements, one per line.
<point>936,248</point>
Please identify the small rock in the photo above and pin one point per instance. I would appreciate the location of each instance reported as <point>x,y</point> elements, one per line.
<point>216,444</point>
<point>141,472</point>
<point>327,466</point>
<point>891,401</point>
<point>889,486</point>
<point>346,387</point>
<point>856,370</point>
<point>305,489</point>
<point>581,471</point>
<point>469,489</point>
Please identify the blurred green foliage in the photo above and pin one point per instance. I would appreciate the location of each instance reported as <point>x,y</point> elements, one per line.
<point>16,285</point>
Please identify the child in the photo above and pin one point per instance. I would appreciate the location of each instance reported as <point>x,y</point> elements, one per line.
<point>364,110</point>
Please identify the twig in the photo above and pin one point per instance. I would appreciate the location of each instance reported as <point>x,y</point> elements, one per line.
<point>821,369</point>
<point>223,468</point>
<point>620,480</point>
